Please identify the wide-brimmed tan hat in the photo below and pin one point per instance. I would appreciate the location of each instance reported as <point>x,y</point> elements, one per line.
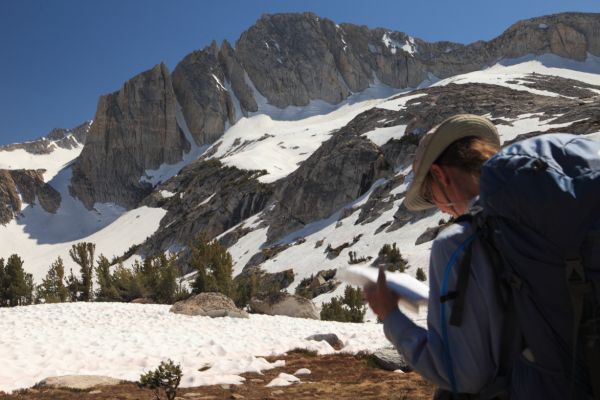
<point>433,144</point>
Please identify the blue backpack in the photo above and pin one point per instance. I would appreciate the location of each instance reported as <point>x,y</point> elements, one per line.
<point>538,217</point>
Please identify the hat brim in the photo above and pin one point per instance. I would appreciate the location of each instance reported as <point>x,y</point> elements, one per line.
<point>449,131</point>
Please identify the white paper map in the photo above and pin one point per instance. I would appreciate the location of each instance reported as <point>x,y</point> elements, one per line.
<point>413,293</point>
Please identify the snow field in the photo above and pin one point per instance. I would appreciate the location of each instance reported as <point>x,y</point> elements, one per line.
<point>125,340</point>
<point>278,140</point>
<point>505,70</point>
<point>39,237</point>
<point>53,163</point>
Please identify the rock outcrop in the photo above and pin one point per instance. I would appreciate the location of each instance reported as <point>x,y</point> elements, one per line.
<point>57,138</point>
<point>570,35</point>
<point>198,81</point>
<point>25,186</point>
<point>208,198</point>
<point>134,130</point>
<point>208,305</point>
<point>340,171</point>
<point>285,304</point>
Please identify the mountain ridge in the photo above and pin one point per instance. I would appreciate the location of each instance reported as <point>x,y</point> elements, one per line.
<point>295,188</point>
<point>293,59</point>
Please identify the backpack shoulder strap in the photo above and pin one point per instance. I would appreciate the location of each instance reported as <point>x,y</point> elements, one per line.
<point>464,272</point>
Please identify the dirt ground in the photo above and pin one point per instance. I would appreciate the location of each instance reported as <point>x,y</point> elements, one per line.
<point>332,377</point>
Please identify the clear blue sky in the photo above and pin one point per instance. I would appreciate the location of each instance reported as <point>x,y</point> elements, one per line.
<point>57,57</point>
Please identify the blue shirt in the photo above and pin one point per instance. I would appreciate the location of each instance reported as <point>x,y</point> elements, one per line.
<point>475,344</point>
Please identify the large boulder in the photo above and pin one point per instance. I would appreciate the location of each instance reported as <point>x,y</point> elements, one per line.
<point>285,304</point>
<point>331,338</point>
<point>389,359</point>
<point>78,382</point>
<point>208,305</point>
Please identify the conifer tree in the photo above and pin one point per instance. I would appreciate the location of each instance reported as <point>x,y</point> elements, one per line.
<point>106,288</point>
<point>127,282</point>
<point>73,285</point>
<point>52,289</point>
<point>83,255</point>
<point>350,308</point>
<point>167,280</point>
<point>214,266</point>
<point>29,297</point>
<point>18,285</point>
<point>3,285</point>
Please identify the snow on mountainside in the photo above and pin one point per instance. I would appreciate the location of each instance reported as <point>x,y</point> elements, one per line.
<point>279,146</point>
<point>52,152</point>
<point>510,72</point>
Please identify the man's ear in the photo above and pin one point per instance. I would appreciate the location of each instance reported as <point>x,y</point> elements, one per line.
<point>440,174</point>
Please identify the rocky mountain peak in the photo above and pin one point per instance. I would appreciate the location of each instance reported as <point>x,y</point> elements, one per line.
<point>284,60</point>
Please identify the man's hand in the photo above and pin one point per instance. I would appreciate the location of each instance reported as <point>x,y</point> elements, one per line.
<point>381,299</point>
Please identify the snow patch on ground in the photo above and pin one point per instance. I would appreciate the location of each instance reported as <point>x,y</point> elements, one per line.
<point>398,103</point>
<point>166,194</point>
<point>125,340</point>
<point>283,379</point>
<point>381,136</point>
<point>525,123</point>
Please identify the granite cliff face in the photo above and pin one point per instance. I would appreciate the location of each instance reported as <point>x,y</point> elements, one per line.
<point>285,60</point>
<point>340,171</point>
<point>198,83</point>
<point>25,186</point>
<point>135,130</point>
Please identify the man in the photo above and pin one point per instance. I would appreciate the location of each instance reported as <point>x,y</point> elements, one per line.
<point>464,359</point>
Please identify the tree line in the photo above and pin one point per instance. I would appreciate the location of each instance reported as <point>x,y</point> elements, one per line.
<point>155,278</point>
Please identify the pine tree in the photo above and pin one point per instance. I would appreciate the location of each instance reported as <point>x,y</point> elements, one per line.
<point>128,282</point>
<point>18,285</point>
<point>73,285</point>
<point>3,285</point>
<point>52,289</point>
<point>350,308</point>
<point>421,275</point>
<point>149,275</point>
<point>29,297</point>
<point>167,282</point>
<point>214,267</point>
<point>106,289</point>
<point>83,255</point>
<point>353,299</point>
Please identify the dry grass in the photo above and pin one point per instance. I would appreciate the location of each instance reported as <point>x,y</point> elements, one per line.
<point>333,377</point>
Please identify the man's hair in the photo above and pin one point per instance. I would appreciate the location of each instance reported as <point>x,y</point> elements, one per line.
<point>469,154</point>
